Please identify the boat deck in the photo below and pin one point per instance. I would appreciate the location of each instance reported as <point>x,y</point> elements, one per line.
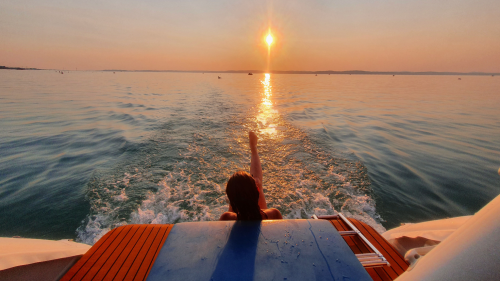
<point>129,252</point>
<point>397,263</point>
<point>124,253</point>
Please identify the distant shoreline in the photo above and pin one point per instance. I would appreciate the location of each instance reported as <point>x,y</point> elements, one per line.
<point>350,72</point>
<point>18,68</point>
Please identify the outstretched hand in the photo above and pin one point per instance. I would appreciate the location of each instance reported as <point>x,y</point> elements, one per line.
<point>252,137</point>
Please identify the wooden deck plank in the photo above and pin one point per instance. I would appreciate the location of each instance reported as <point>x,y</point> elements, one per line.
<point>394,270</point>
<point>74,270</point>
<point>113,257</point>
<point>361,245</point>
<point>103,258</point>
<point>384,244</point>
<point>357,245</point>
<point>373,274</point>
<point>134,268</point>
<point>382,273</point>
<point>133,254</point>
<point>354,242</point>
<point>384,247</point>
<point>345,225</point>
<point>167,232</point>
<point>150,257</point>
<point>122,254</point>
<point>94,255</point>
<point>338,225</point>
<point>125,254</point>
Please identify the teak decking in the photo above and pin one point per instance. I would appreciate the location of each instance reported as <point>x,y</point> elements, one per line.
<point>397,263</point>
<point>124,253</point>
<point>128,253</point>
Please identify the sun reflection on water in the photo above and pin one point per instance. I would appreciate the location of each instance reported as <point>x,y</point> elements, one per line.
<point>266,111</point>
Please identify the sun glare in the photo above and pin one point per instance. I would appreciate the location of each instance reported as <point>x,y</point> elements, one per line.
<point>267,114</point>
<point>269,39</point>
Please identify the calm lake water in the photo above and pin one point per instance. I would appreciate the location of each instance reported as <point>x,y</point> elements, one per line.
<point>83,152</point>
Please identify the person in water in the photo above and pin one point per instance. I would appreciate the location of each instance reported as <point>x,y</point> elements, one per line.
<point>245,192</point>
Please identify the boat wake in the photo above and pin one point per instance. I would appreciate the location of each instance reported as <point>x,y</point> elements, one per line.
<point>180,173</point>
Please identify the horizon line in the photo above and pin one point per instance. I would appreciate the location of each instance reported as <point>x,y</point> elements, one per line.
<point>316,72</point>
<point>274,71</point>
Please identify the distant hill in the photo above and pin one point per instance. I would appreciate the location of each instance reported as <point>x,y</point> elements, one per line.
<point>17,68</point>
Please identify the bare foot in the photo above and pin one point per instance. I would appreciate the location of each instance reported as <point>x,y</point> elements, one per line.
<point>253,139</point>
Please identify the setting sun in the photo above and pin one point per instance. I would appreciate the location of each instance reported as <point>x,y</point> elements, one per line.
<point>189,137</point>
<point>269,39</point>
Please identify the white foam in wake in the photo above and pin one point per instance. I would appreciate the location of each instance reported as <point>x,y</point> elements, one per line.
<point>300,180</point>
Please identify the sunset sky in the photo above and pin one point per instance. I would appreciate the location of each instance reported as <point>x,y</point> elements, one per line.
<point>384,35</point>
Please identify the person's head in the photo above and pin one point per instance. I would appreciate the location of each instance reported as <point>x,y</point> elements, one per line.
<point>243,195</point>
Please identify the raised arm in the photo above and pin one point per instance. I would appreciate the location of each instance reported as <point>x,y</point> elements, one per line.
<point>256,169</point>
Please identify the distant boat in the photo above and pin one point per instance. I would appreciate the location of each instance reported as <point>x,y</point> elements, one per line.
<point>250,73</point>
<point>459,78</point>
<point>316,75</point>
<point>218,77</point>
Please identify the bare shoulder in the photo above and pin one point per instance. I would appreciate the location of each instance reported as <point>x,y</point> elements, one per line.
<point>273,214</point>
<point>228,216</point>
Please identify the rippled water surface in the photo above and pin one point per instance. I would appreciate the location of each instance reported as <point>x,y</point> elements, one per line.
<point>83,152</point>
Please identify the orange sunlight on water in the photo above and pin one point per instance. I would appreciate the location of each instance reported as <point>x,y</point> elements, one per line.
<point>266,111</point>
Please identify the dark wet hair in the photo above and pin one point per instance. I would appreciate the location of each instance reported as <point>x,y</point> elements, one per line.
<point>243,195</point>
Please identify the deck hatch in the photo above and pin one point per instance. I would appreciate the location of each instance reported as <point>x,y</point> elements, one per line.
<point>267,250</point>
